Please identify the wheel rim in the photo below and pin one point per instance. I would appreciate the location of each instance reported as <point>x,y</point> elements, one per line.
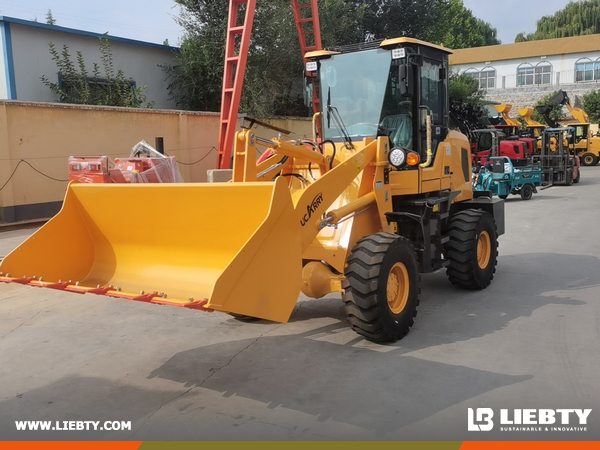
<point>588,159</point>
<point>484,250</point>
<point>398,288</point>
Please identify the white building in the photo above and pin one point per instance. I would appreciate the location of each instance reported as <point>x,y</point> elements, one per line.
<point>523,72</point>
<point>25,57</point>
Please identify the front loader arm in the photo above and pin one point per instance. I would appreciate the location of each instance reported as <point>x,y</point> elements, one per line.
<point>311,203</point>
<point>264,278</point>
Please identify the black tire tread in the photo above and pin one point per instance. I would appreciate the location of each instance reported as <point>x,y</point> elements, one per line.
<point>462,240</point>
<point>361,283</point>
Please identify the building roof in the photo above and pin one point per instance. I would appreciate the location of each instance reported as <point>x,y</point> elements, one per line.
<point>547,47</point>
<point>45,26</point>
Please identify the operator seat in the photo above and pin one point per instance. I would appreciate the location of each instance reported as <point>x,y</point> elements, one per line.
<point>399,129</point>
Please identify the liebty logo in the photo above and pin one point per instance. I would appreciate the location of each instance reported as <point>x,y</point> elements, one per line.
<point>483,415</point>
<point>481,419</point>
<point>311,208</point>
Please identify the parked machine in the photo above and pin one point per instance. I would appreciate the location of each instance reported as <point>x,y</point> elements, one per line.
<point>491,142</point>
<point>384,196</point>
<point>510,127</point>
<point>534,128</point>
<point>559,164</point>
<point>502,178</point>
<point>584,145</point>
<point>506,168</point>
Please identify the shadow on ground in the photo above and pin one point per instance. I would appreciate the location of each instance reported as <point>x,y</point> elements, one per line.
<point>325,374</point>
<point>316,365</point>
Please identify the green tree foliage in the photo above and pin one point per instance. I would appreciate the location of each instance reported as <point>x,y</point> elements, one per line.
<point>50,20</point>
<point>456,27</point>
<point>273,82</point>
<point>77,86</point>
<point>556,113</point>
<point>576,19</point>
<point>591,105</point>
<point>466,106</point>
<point>463,88</point>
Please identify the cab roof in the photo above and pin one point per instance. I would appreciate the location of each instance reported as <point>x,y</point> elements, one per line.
<point>320,54</point>
<point>408,40</point>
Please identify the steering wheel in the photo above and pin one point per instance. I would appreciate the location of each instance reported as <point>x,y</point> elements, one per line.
<point>373,126</point>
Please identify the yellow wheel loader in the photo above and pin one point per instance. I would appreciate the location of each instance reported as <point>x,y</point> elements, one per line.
<point>586,146</point>
<point>384,195</point>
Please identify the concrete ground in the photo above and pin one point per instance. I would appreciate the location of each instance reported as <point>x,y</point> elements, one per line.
<point>529,341</point>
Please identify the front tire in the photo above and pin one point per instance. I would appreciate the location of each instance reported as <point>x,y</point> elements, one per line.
<point>527,192</point>
<point>382,287</point>
<point>569,177</point>
<point>578,179</point>
<point>472,249</point>
<point>589,159</point>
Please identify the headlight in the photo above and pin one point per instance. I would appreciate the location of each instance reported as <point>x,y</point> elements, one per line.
<point>397,157</point>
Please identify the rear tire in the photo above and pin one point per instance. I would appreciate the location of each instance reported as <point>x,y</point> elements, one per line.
<point>527,192</point>
<point>589,159</point>
<point>382,287</point>
<point>472,249</point>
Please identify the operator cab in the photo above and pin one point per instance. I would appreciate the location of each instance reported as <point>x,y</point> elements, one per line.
<point>383,89</point>
<point>582,131</point>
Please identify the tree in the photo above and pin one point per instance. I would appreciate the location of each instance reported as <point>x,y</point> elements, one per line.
<point>76,86</point>
<point>591,105</point>
<point>556,111</point>
<point>456,27</point>
<point>273,81</point>
<point>196,78</point>
<point>466,107</point>
<point>576,19</point>
<point>394,18</point>
<point>50,20</point>
<point>463,88</point>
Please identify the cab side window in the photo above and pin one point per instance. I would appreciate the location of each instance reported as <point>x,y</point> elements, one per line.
<point>431,89</point>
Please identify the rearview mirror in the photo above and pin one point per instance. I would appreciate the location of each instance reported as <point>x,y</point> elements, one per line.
<point>308,92</point>
<point>407,80</point>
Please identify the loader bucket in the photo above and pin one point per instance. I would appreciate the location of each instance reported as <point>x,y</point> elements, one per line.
<point>224,246</point>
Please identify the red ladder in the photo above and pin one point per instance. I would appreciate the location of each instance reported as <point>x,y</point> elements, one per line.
<point>233,76</point>
<point>306,14</point>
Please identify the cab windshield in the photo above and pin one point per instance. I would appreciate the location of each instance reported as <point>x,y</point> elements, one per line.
<point>355,85</point>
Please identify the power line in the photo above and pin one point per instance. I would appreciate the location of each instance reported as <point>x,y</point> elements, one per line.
<point>38,171</point>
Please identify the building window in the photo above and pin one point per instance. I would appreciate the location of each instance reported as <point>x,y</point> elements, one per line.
<point>472,73</point>
<point>486,78</point>
<point>525,75</point>
<point>586,70</point>
<point>543,73</point>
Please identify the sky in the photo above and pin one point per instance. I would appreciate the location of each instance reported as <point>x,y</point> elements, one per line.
<point>511,17</point>
<point>152,20</point>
